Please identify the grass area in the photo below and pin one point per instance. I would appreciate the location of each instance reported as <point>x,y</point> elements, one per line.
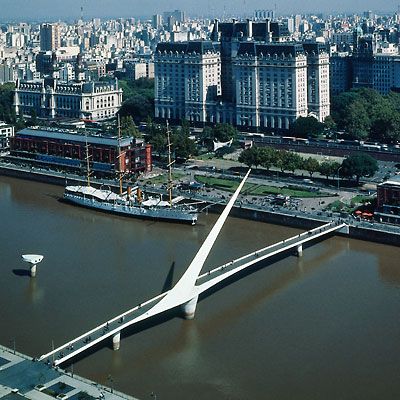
<point>361,199</point>
<point>352,205</point>
<point>255,189</point>
<point>338,206</point>
<point>159,179</point>
<point>205,156</point>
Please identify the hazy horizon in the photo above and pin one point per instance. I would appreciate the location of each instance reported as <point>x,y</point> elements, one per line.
<point>44,10</point>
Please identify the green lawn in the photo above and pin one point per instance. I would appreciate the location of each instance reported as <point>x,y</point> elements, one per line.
<point>164,178</point>
<point>255,189</point>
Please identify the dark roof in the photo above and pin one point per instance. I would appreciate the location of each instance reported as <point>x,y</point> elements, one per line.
<point>261,30</point>
<point>253,48</point>
<point>315,48</point>
<point>72,136</point>
<point>193,46</point>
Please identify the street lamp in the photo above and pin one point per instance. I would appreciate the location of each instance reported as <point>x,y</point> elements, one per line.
<point>338,181</point>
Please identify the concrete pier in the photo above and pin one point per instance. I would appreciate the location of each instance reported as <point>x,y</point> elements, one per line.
<point>116,341</point>
<point>299,250</point>
<point>33,271</point>
<point>189,308</point>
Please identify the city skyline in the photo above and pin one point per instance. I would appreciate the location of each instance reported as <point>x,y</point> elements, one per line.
<point>71,9</point>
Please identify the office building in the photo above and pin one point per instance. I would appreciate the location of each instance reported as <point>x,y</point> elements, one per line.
<point>243,77</point>
<point>49,37</point>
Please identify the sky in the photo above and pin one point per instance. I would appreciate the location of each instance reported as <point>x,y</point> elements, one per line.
<point>52,10</point>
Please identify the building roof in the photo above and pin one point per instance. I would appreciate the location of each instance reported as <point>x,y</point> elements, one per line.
<point>73,136</point>
<point>253,48</point>
<point>193,46</point>
<point>393,181</point>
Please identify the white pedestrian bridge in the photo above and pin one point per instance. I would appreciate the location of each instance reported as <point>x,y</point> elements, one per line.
<point>185,293</point>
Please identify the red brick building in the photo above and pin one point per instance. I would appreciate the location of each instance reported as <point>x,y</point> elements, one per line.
<point>66,150</point>
<point>388,201</point>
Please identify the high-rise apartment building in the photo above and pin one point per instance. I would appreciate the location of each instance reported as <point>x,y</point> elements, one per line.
<point>49,37</point>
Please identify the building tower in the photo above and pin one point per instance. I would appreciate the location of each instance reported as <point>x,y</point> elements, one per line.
<point>49,37</point>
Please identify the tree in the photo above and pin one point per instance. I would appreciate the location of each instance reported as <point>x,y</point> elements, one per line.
<point>307,127</point>
<point>359,165</point>
<point>287,161</point>
<point>33,121</point>
<point>330,124</point>
<point>357,122</point>
<point>385,126</point>
<point>328,168</point>
<point>7,112</point>
<point>138,99</point>
<point>206,138</point>
<point>138,107</point>
<point>268,157</point>
<point>250,157</point>
<point>280,160</point>
<point>224,132</point>
<point>182,146</point>
<point>311,165</point>
<point>185,127</point>
<point>364,113</point>
<point>128,127</point>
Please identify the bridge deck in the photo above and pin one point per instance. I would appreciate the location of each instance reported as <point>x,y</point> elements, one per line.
<point>216,275</point>
<point>105,330</point>
<point>204,282</point>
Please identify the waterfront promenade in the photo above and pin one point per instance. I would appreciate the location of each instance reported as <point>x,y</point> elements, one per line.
<point>24,378</point>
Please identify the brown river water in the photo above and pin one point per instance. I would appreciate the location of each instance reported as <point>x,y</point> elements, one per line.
<point>324,326</point>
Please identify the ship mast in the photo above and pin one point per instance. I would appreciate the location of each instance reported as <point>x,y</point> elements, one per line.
<point>120,173</point>
<point>87,161</point>
<point>170,163</point>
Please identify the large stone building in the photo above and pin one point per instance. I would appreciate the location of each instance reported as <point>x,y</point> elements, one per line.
<point>50,98</point>
<point>271,85</point>
<point>187,80</point>
<point>245,76</point>
<point>372,63</point>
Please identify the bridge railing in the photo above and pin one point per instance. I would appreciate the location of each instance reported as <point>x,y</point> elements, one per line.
<point>258,255</point>
<point>131,313</point>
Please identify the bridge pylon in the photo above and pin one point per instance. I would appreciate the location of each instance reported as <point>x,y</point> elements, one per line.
<point>189,308</point>
<point>299,250</point>
<point>116,341</point>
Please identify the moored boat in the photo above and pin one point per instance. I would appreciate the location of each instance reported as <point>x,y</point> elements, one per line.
<point>131,203</point>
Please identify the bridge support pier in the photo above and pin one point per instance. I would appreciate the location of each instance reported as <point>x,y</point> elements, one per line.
<point>116,341</point>
<point>299,250</point>
<point>33,271</point>
<point>189,308</point>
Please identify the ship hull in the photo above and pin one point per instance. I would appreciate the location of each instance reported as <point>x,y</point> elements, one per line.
<point>161,214</point>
